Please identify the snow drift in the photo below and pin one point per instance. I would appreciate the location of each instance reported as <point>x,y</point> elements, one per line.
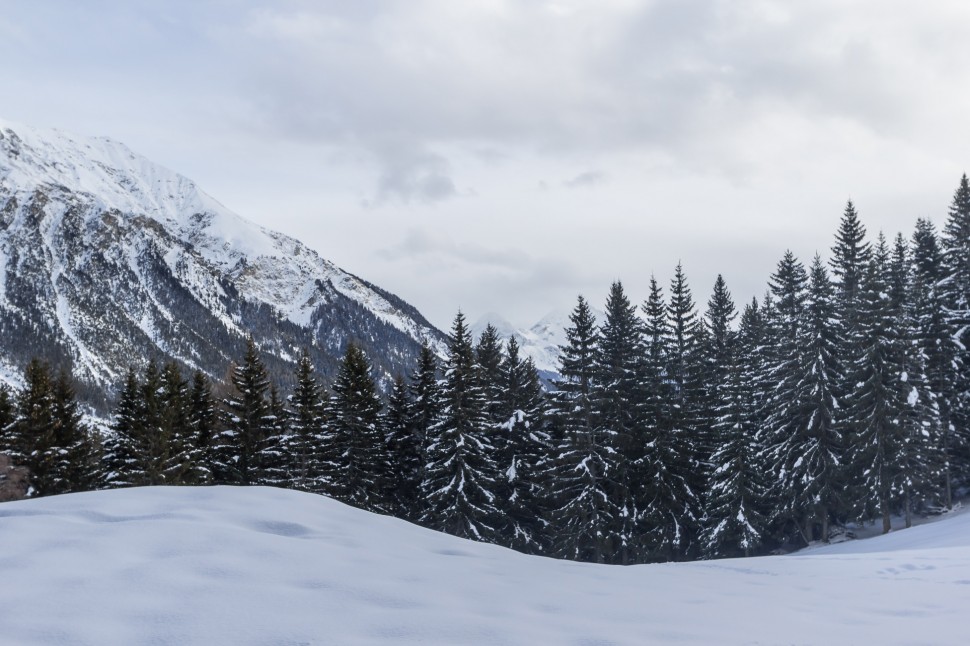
<point>226,565</point>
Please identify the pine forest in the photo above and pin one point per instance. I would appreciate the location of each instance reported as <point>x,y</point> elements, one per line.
<point>674,431</point>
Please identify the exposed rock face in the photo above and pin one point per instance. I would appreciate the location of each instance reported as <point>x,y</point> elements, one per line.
<point>14,480</point>
<point>107,259</point>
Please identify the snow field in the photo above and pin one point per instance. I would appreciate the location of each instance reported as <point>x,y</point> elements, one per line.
<point>225,565</point>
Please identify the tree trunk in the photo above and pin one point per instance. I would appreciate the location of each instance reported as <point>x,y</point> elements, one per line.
<point>909,510</point>
<point>825,524</point>
<point>886,520</point>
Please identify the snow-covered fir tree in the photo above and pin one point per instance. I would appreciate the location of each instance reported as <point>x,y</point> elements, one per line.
<point>934,337</point>
<point>403,452</point>
<point>357,446</point>
<point>248,420</point>
<point>955,289</point>
<point>522,460</point>
<point>584,513</point>
<point>308,432</point>
<point>735,521</point>
<point>459,485</point>
<point>618,418</point>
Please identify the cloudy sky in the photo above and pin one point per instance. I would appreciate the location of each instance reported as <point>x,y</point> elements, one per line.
<point>508,155</point>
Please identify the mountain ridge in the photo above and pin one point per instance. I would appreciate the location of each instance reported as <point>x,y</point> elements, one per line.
<point>106,257</point>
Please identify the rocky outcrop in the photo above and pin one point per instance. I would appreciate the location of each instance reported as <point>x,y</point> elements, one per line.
<point>14,480</point>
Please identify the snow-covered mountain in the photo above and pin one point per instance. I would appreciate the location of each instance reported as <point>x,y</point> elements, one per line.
<point>231,565</point>
<point>541,342</point>
<point>107,258</point>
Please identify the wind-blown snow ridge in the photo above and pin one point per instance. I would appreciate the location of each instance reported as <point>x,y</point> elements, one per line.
<point>267,266</point>
<point>224,565</point>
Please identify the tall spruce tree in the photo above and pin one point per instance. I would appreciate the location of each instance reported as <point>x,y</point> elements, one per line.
<point>203,421</point>
<point>821,467</point>
<point>684,371</point>
<point>357,446</point>
<point>875,404</point>
<point>618,417</point>
<point>584,513</point>
<point>308,431</point>
<point>403,453</point>
<point>524,447</point>
<point>784,437</point>
<point>955,289</point>
<point>459,485</point>
<point>668,503</point>
<point>735,523</point>
<point>922,460</point>
<point>247,421</point>
<point>934,337</point>
<point>81,451</point>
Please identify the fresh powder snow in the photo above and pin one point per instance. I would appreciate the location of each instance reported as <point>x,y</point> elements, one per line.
<point>224,565</point>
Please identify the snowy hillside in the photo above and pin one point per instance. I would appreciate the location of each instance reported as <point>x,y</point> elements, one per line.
<point>225,565</point>
<point>105,256</point>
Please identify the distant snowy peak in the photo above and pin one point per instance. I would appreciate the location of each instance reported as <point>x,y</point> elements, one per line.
<point>81,215</point>
<point>541,342</point>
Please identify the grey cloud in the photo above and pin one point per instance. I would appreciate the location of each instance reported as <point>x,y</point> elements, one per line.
<point>585,179</point>
<point>409,173</point>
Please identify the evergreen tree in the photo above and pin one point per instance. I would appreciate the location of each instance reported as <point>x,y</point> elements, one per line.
<point>735,523</point>
<point>203,420</point>
<point>79,465</point>
<point>934,337</point>
<point>922,458</point>
<point>403,453</point>
<point>459,485</point>
<point>275,464</point>
<point>357,447</point>
<point>720,314</point>
<point>619,421</point>
<point>125,450</point>
<point>955,289</point>
<point>875,405</point>
<point>184,457</point>
<point>684,372</point>
<point>425,401</point>
<point>522,460</point>
<point>488,354</point>
<point>785,434</point>
<point>35,445</point>
<point>817,471</point>
<point>584,515</point>
<point>248,418</point>
<point>851,256</point>
<point>308,431</point>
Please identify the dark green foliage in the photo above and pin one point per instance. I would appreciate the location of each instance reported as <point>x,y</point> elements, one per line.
<point>737,492</point>
<point>308,431</point>
<point>459,484</point>
<point>356,448</point>
<point>248,421</point>
<point>933,330</point>
<point>203,418</point>
<point>955,288</point>
<point>522,458</point>
<point>403,454</point>
<point>584,513</point>
<point>618,418</point>
<point>48,437</point>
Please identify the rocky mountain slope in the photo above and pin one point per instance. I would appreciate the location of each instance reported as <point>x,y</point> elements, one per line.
<point>107,259</point>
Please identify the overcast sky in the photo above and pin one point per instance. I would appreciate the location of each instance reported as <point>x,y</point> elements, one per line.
<point>508,155</point>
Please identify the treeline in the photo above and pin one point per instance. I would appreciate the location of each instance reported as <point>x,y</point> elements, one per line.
<point>840,396</point>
